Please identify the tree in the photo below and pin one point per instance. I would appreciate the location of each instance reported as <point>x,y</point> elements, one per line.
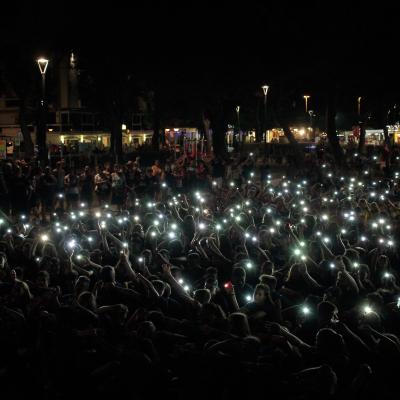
<point>18,79</point>
<point>333,138</point>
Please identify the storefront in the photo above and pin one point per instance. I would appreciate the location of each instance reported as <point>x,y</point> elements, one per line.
<point>276,135</point>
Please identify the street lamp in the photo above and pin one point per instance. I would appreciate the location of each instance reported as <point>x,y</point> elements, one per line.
<point>359,106</point>
<point>306,97</point>
<point>41,131</point>
<point>265,90</point>
<point>238,118</point>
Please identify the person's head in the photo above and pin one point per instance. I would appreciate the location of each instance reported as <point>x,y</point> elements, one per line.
<point>87,300</point>
<point>108,274</point>
<point>268,280</point>
<point>211,284</point>
<point>159,286</point>
<point>43,279</point>
<point>268,268</point>
<point>261,293</point>
<point>82,284</point>
<point>375,299</point>
<point>211,313</point>
<point>238,276</point>
<point>203,296</point>
<point>238,324</point>
<point>146,330</point>
<point>327,311</point>
<point>47,171</point>
<point>328,341</point>
<point>332,294</point>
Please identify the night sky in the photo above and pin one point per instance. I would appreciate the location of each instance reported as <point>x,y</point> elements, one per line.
<point>192,48</point>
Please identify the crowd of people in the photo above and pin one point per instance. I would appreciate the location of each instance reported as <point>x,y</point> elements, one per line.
<point>208,279</point>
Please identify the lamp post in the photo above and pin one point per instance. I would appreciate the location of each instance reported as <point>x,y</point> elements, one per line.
<point>359,105</point>
<point>306,97</point>
<point>238,116</point>
<point>265,90</point>
<point>41,131</point>
<point>312,114</point>
<point>237,108</point>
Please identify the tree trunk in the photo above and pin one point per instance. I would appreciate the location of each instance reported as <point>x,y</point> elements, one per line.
<point>26,134</point>
<point>218,127</point>
<point>388,148</point>
<point>337,150</point>
<point>155,139</point>
<point>298,152</point>
<point>361,141</point>
<point>206,124</point>
<point>116,135</point>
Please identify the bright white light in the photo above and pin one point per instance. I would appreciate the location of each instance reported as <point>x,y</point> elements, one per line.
<point>71,244</point>
<point>82,204</point>
<point>98,215</point>
<point>174,226</point>
<point>136,218</point>
<point>140,259</point>
<point>249,265</point>
<point>153,234</point>
<point>156,222</point>
<point>186,288</point>
<point>254,239</point>
<point>171,235</point>
<point>248,297</point>
<point>125,244</point>
<point>297,252</point>
<point>318,233</point>
<point>363,239</point>
<point>218,227</point>
<point>332,265</point>
<point>327,240</point>
<point>202,226</point>
<point>44,238</point>
<point>305,310</point>
<point>368,310</point>
<point>90,239</point>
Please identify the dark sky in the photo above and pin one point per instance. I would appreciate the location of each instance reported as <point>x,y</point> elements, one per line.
<point>221,45</point>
